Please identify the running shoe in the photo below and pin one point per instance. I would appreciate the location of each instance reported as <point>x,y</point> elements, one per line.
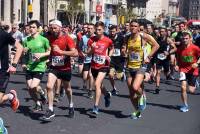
<point>15,101</point>
<point>114,92</point>
<point>136,115</point>
<point>3,129</point>
<point>107,99</point>
<point>157,90</point>
<point>95,110</point>
<point>48,115</point>
<point>142,103</point>
<point>56,98</point>
<point>184,108</point>
<point>62,92</point>
<point>71,112</point>
<point>37,108</point>
<point>90,95</point>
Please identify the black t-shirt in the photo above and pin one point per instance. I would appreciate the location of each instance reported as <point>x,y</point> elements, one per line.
<point>5,40</point>
<point>197,41</point>
<point>179,38</point>
<point>118,43</point>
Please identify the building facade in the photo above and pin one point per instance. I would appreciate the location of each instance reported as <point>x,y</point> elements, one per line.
<point>190,9</point>
<point>16,11</point>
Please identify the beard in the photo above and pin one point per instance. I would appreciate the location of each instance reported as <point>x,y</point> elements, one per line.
<point>56,34</point>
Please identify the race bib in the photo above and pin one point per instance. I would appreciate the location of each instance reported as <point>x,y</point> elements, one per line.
<point>161,56</point>
<point>58,60</point>
<point>87,59</point>
<point>182,76</point>
<point>134,56</point>
<point>116,52</point>
<point>99,59</point>
<point>32,57</point>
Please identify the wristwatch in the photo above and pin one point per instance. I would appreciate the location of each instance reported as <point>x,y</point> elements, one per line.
<point>14,65</point>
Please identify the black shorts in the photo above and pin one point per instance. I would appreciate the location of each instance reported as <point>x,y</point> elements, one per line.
<point>63,75</point>
<point>31,75</point>
<point>117,67</point>
<point>95,72</point>
<point>4,79</point>
<point>86,66</point>
<point>191,79</point>
<point>163,63</point>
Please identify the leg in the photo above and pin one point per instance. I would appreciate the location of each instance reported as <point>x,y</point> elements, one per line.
<point>67,86</point>
<point>50,85</point>
<point>98,85</point>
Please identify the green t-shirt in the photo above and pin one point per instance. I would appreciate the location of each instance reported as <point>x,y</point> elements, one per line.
<point>39,44</point>
<point>173,36</point>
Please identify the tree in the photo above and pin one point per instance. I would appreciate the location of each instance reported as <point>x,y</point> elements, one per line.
<point>74,11</point>
<point>127,13</point>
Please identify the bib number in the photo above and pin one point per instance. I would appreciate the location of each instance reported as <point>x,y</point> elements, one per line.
<point>161,56</point>
<point>32,57</point>
<point>134,56</point>
<point>182,76</point>
<point>99,59</point>
<point>116,52</point>
<point>87,59</point>
<point>58,61</point>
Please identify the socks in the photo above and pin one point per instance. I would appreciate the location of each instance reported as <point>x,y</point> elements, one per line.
<point>10,96</point>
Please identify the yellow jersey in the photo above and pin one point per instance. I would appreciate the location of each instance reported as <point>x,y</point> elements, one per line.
<point>135,52</point>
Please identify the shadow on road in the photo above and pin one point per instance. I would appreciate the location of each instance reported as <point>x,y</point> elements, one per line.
<point>123,96</point>
<point>117,114</point>
<point>174,107</point>
<point>26,111</point>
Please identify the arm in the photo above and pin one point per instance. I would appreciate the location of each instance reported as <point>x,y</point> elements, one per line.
<point>19,50</point>
<point>72,52</point>
<point>111,51</point>
<point>152,42</point>
<point>172,44</point>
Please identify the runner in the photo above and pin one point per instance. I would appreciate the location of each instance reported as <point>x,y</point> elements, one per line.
<point>5,40</point>
<point>87,75</point>
<point>98,47</point>
<point>133,48</point>
<point>187,64</point>
<point>63,47</point>
<point>167,47</point>
<point>37,48</point>
<point>117,61</point>
<point>81,57</point>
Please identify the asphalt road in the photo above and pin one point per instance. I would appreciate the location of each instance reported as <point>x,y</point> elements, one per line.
<point>161,116</point>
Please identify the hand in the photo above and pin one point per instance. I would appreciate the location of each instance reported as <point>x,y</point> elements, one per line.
<point>166,53</point>
<point>108,58</point>
<point>25,50</point>
<point>147,60</point>
<point>194,65</point>
<point>93,44</point>
<point>12,70</point>
<point>37,56</point>
<point>57,49</point>
<point>176,68</point>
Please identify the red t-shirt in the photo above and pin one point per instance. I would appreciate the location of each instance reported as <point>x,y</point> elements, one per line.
<point>100,52</point>
<point>58,61</point>
<point>79,37</point>
<point>186,57</point>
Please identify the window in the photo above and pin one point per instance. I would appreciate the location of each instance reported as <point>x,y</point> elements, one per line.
<point>2,10</point>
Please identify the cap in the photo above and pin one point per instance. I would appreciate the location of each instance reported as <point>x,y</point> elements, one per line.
<point>56,22</point>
